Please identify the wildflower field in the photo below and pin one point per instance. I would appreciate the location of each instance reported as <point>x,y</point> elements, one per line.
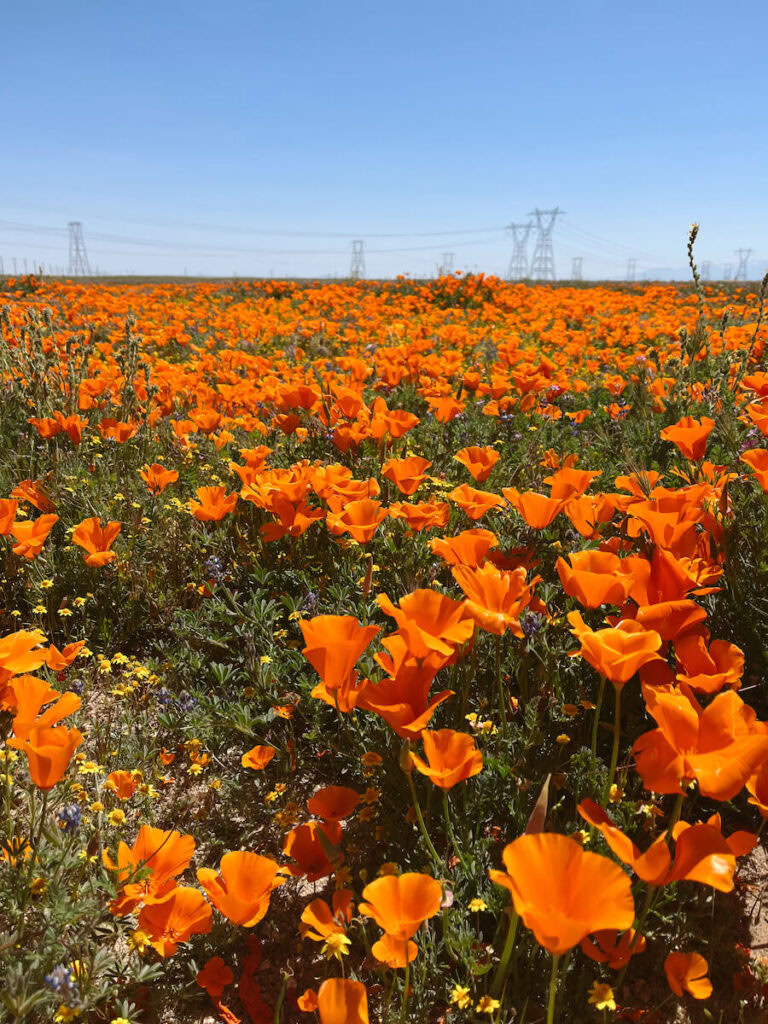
<point>382,651</point>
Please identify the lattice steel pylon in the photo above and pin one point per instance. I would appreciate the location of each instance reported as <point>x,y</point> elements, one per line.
<point>446,267</point>
<point>742,271</point>
<point>631,269</point>
<point>78,257</point>
<point>576,271</point>
<point>543,262</point>
<point>727,271</point>
<point>706,270</point>
<point>357,265</point>
<point>518,264</point>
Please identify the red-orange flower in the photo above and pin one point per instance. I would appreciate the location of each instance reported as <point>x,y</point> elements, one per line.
<point>617,652</point>
<point>31,535</point>
<point>451,757</point>
<point>595,578</point>
<point>182,914</point>
<point>96,540</point>
<point>49,752</point>
<point>334,643</point>
<point>406,474</point>
<point>242,886</point>
<point>165,853</point>
<point>429,622</point>
<point>399,904</point>
<point>688,971</point>
<point>690,436</point>
<point>157,477</point>
<point>257,757</point>
<point>213,504</point>
<point>479,461</point>
<point>495,598</point>
<point>333,803</point>
<point>475,503</point>
<point>340,1001</point>
<point>360,519</point>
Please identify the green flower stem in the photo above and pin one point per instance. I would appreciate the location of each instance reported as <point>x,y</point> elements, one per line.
<point>552,990</point>
<point>596,721</point>
<point>449,830</point>
<point>509,947</point>
<point>500,685</point>
<point>650,895</point>
<point>404,1007</point>
<point>420,819</point>
<point>675,815</point>
<point>615,748</point>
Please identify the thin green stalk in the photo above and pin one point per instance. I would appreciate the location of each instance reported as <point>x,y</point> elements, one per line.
<point>509,947</point>
<point>500,685</point>
<point>552,990</point>
<point>650,895</point>
<point>450,832</point>
<point>420,819</point>
<point>675,815</point>
<point>596,722</point>
<point>404,1007</point>
<point>615,748</point>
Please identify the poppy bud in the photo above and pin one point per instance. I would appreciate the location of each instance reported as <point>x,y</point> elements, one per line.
<point>406,761</point>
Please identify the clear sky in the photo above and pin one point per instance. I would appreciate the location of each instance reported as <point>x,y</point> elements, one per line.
<point>261,137</point>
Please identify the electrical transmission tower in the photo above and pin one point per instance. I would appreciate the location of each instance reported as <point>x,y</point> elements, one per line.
<point>727,271</point>
<point>706,270</point>
<point>543,262</point>
<point>357,265</point>
<point>742,272</point>
<point>576,271</point>
<point>78,257</point>
<point>631,269</point>
<point>446,267</point>
<point>518,265</point>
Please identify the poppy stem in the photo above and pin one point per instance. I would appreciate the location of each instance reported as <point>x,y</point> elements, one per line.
<point>404,1007</point>
<point>449,829</point>
<point>615,748</point>
<point>649,897</point>
<point>552,990</point>
<point>675,815</point>
<point>596,722</point>
<point>419,817</point>
<point>509,947</point>
<point>500,684</point>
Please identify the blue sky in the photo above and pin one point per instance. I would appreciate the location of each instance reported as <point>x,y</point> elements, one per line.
<point>261,137</point>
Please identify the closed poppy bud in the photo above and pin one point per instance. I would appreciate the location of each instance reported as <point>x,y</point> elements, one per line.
<point>406,760</point>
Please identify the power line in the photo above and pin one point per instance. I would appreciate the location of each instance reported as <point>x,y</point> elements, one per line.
<point>543,262</point>
<point>78,257</point>
<point>518,264</point>
<point>357,264</point>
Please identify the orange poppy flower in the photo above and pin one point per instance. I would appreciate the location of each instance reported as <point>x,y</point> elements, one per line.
<point>445,409</point>
<point>707,668</point>
<point>116,430</point>
<point>96,540</point>
<point>403,700</point>
<point>538,510</point>
<point>617,652</point>
<point>28,695</point>
<point>333,803</point>
<point>318,920</point>
<point>406,474</point>
<point>334,644</point>
<point>242,887</point>
<point>429,622</point>
<point>123,784</point>
<point>307,1001</point>
<point>451,757</point>
<point>495,598</point>
<point>467,548</point>
<point>595,578</point>
<point>757,460</point>
<point>360,519</point>
<point>8,508</point>
<point>588,512</point>
<point>30,536</point>
<point>182,914</point>
<point>257,757</point>
<point>690,436</point>
<point>49,752</point>
<point>688,972</point>
<point>57,660</point>
<point>721,746</point>
<point>427,515</point>
<point>18,654</point>
<point>304,844</point>
<point>213,504</point>
<point>157,477</point>
<point>32,492</point>
<point>392,952</point>
<point>562,892</point>
<point>340,1001</point>
<point>570,482</point>
<point>215,977</point>
<point>475,503</point>
<point>479,461</point>
<point>608,946</point>
<point>165,853</point>
<point>400,904</point>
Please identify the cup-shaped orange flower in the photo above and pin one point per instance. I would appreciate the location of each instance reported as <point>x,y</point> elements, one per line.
<point>31,535</point>
<point>451,757</point>
<point>607,946</point>
<point>538,510</point>
<point>406,474</point>
<point>8,508</point>
<point>595,578</point>
<point>122,783</point>
<point>467,548</point>
<point>429,622</point>
<point>333,803</point>
<point>96,540</point>
<point>257,757</point>
<point>495,598</point>
<point>690,436</point>
<point>311,852</point>
<point>360,519</point>
<point>28,695</point>
<point>157,477</point>
<point>340,1001</point>
<point>479,461</point>
<point>334,643</point>
<point>213,504</point>
<point>562,892</point>
<point>165,853</point>
<point>49,752</point>
<point>215,977</point>
<point>474,502</point>
<point>616,652</point>
<point>400,904</point>
<point>184,913</point>
<point>242,886</point>
<point>18,654</point>
<point>688,972</point>
<point>708,668</point>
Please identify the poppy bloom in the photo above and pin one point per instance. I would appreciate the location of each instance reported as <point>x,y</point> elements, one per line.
<point>427,515</point>
<point>400,904</point>
<point>445,409</point>
<point>617,652</point>
<point>304,844</point>
<point>49,752</point>
<point>495,598</point>
<point>18,653</point>
<point>406,474</point>
<point>451,757</point>
<point>690,436</point>
<point>165,853</point>
<point>360,519</point>
<point>333,803</point>
<point>215,977</point>
<point>475,503</point>
<point>538,510</point>
<point>721,746</point>
<point>122,784</point>
<point>96,540</point>
<point>403,700</point>
<point>688,971</point>
<point>242,886</point>
<point>429,622</point>
<point>32,491</point>
<point>340,1001</point>
<point>570,482</point>
<point>607,946</point>
<point>28,695</point>
<point>181,914</point>
<point>157,478</point>
<point>562,892</point>
<point>392,952</point>
<point>594,578</point>
<point>213,504</point>
<point>479,461</point>
<point>334,643</point>
<point>467,548</point>
<point>57,660</point>
<point>117,430</point>
<point>30,536</point>
<point>318,920</point>
<point>708,668</point>
<point>8,508</point>
<point>257,757</point>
